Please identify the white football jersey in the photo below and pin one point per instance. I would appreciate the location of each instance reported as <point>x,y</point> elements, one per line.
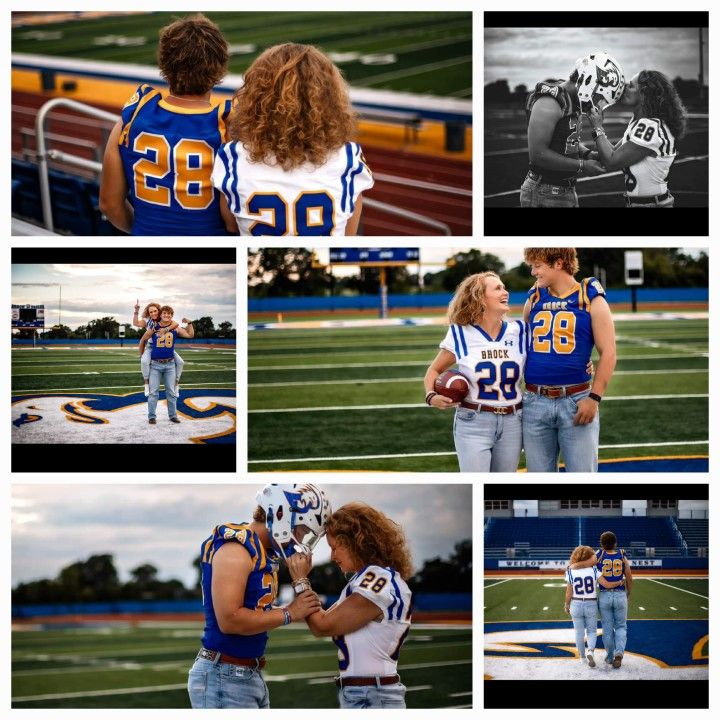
<point>373,650</point>
<point>493,367</point>
<point>309,200</point>
<point>583,582</point>
<point>649,176</point>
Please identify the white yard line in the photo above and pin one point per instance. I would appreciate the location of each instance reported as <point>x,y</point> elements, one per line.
<point>100,693</point>
<point>55,391</point>
<point>487,587</point>
<point>704,597</point>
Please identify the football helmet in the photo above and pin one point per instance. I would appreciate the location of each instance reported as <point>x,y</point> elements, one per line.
<point>600,77</point>
<point>295,516</point>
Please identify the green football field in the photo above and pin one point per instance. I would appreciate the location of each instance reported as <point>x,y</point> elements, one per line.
<point>542,598</point>
<point>112,369</point>
<point>419,52</point>
<point>352,398</point>
<point>146,666</point>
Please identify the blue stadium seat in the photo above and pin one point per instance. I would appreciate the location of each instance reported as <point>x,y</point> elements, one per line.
<point>26,198</point>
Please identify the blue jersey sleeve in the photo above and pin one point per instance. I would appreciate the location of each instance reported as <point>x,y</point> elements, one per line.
<point>592,288</point>
<point>132,104</point>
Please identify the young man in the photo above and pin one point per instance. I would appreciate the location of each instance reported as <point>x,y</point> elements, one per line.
<point>560,406</point>
<point>240,583</point>
<point>557,157</point>
<point>612,601</point>
<point>158,162</point>
<point>162,362</point>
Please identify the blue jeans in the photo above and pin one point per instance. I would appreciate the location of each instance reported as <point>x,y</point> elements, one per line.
<point>486,442</point>
<point>613,613</point>
<point>584,617</point>
<point>164,372</point>
<point>145,363</point>
<point>548,431</point>
<point>385,696</point>
<point>222,685</point>
<point>538,194</point>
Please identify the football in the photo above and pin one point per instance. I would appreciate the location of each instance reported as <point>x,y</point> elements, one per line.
<point>452,384</point>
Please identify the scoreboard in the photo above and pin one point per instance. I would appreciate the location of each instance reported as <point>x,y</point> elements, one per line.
<point>28,316</point>
<point>369,257</point>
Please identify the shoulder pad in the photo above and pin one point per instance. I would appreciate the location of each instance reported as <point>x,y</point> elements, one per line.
<point>648,133</point>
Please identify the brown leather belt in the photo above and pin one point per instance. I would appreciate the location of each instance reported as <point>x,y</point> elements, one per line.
<point>367,681</point>
<point>257,663</point>
<point>163,360</point>
<point>500,410</point>
<point>647,199</point>
<point>556,391</point>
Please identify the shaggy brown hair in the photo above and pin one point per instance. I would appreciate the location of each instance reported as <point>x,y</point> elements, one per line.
<point>259,515</point>
<point>146,311</point>
<point>580,553</point>
<point>550,256</point>
<point>659,99</point>
<point>292,108</point>
<point>608,540</point>
<point>371,537</point>
<point>192,55</point>
<point>166,308</point>
<point>468,303</point>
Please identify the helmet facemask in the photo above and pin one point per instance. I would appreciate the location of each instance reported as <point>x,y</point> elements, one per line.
<point>600,82</point>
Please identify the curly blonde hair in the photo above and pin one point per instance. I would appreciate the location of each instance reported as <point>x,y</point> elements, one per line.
<point>371,537</point>
<point>146,311</point>
<point>468,303</point>
<point>550,256</point>
<point>293,108</point>
<point>580,553</point>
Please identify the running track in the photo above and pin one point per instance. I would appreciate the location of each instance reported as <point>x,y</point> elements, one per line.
<point>436,187</point>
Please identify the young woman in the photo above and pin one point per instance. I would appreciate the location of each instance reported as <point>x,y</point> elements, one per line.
<point>151,322</point>
<point>160,153</point>
<point>490,352</point>
<point>581,600</point>
<point>647,148</point>
<point>371,619</point>
<point>291,168</point>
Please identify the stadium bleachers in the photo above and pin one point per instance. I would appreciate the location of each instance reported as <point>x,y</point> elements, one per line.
<point>695,532</point>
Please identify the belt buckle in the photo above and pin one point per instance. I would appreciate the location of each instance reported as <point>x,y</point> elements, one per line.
<point>499,411</point>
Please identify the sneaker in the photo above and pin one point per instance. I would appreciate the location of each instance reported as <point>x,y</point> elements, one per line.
<point>147,389</point>
<point>617,662</point>
<point>591,660</point>
<point>175,420</point>
<point>152,421</point>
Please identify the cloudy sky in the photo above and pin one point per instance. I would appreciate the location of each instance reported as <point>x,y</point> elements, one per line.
<point>529,55</point>
<point>94,291</point>
<point>56,525</point>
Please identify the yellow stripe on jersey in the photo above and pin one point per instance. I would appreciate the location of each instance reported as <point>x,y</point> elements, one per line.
<point>222,127</point>
<point>535,296</point>
<point>124,138</point>
<point>207,548</point>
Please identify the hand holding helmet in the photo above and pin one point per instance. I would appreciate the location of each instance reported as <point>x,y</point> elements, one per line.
<point>600,81</point>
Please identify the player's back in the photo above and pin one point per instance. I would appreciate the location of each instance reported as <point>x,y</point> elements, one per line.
<point>307,200</point>
<point>611,565</point>
<point>168,154</point>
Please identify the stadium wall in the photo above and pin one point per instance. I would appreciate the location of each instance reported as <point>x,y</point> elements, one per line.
<point>428,300</point>
<point>426,602</point>
<point>653,564</point>
<point>116,341</point>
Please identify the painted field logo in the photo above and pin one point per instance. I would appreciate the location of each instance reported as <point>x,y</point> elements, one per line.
<point>656,650</point>
<point>207,417</point>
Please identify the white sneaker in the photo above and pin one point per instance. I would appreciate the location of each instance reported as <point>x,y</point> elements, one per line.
<point>147,388</point>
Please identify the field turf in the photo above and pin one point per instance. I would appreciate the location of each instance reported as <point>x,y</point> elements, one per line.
<point>132,666</point>
<point>661,598</point>
<point>506,163</point>
<point>419,52</point>
<point>352,398</point>
<point>112,369</point>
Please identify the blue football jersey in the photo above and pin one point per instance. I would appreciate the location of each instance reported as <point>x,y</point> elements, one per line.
<point>561,336</point>
<point>611,565</point>
<point>168,155</point>
<point>164,345</point>
<point>260,590</point>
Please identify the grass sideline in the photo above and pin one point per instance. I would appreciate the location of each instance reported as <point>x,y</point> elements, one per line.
<point>130,666</point>
<point>419,52</point>
<point>352,398</point>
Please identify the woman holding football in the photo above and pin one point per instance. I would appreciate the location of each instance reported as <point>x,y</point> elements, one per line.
<point>647,149</point>
<point>581,600</point>
<point>371,619</point>
<point>490,352</point>
<point>291,168</point>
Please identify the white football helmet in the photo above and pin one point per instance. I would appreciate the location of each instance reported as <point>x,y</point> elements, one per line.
<point>600,77</point>
<point>295,516</point>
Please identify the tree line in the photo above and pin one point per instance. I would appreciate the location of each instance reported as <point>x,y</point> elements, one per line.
<point>109,327</point>
<point>295,272</point>
<point>96,580</point>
